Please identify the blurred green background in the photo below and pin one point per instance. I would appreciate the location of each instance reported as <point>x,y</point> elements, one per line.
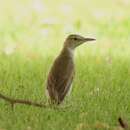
<point>37,25</point>
<point>32,33</point>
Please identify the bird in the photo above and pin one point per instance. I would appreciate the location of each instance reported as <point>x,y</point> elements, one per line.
<point>62,71</point>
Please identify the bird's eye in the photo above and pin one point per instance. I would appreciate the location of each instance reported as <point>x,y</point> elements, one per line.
<point>75,38</point>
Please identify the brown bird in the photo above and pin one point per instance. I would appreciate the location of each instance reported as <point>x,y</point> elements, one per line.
<point>62,71</point>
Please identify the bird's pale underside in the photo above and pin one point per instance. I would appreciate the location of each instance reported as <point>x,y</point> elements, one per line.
<point>62,71</point>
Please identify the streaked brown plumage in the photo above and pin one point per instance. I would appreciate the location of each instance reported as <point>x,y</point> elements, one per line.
<point>62,71</point>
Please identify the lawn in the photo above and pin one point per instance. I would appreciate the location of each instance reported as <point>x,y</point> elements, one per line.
<point>31,36</point>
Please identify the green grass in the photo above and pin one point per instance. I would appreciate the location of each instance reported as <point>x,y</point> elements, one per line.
<point>31,36</point>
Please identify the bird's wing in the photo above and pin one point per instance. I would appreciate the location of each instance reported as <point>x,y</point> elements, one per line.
<point>59,86</point>
<point>60,77</point>
<point>65,87</point>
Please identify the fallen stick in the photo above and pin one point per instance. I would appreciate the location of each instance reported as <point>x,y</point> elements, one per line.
<point>20,101</point>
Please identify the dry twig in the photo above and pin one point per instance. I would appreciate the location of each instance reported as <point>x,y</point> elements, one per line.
<point>20,101</point>
<point>123,123</point>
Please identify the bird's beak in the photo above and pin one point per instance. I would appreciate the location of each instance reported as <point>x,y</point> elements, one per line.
<point>89,39</point>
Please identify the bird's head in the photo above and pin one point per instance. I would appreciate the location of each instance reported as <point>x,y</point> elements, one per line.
<point>74,40</point>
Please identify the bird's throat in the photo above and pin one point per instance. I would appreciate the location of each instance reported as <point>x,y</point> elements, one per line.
<point>69,52</point>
